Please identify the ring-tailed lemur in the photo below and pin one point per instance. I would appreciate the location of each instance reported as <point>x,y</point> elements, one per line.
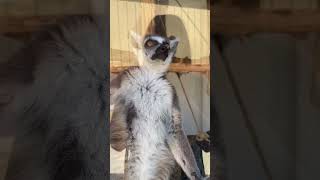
<point>146,117</point>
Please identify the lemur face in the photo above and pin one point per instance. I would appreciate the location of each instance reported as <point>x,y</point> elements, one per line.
<point>154,51</point>
<point>158,48</point>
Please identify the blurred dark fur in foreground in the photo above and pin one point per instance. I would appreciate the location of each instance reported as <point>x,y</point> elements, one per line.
<point>58,98</point>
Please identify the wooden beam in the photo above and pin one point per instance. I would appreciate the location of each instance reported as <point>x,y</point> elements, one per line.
<point>178,67</point>
<point>121,58</point>
<point>244,21</point>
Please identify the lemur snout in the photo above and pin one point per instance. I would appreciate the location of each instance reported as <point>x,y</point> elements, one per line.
<point>159,48</point>
<point>164,48</point>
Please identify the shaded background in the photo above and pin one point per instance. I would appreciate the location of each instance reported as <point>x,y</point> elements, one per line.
<point>271,49</point>
<point>19,19</point>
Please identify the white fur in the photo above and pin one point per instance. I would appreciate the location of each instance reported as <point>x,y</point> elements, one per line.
<point>158,38</point>
<point>148,128</point>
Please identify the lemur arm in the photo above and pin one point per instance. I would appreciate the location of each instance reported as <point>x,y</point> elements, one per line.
<point>115,85</point>
<point>118,128</point>
<point>118,124</point>
<point>180,147</point>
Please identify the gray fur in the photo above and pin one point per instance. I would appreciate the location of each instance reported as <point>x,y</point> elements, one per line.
<point>60,105</point>
<point>147,118</point>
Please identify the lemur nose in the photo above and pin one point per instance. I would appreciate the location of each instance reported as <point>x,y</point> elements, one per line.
<point>164,48</point>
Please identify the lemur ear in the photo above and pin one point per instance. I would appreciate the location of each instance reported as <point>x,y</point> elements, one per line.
<point>136,39</point>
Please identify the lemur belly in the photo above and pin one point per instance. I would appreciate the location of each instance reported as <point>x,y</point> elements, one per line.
<point>149,155</point>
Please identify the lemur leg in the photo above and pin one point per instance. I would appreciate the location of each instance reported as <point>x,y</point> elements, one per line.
<point>181,149</point>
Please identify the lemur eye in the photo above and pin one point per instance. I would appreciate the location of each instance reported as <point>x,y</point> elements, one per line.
<point>151,43</point>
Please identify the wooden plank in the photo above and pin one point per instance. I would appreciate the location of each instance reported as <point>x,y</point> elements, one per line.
<point>239,21</point>
<point>191,29</point>
<point>117,58</point>
<point>132,26</point>
<point>114,20</point>
<point>176,67</point>
<point>123,30</point>
<point>197,38</point>
<point>205,30</point>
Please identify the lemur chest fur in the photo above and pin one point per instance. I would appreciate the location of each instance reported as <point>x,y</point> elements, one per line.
<point>150,96</point>
<point>150,93</point>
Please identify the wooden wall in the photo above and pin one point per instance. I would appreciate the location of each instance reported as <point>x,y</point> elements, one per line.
<point>19,18</point>
<point>136,16</point>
